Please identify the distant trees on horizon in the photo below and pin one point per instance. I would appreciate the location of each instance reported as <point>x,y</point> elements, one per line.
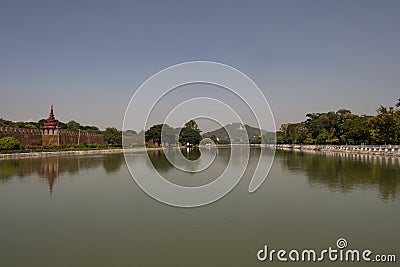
<point>340,127</point>
<point>343,127</point>
<point>189,135</point>
<point>71,125</point>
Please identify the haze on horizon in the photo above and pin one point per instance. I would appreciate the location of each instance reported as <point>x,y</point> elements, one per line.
<point>88,57</point>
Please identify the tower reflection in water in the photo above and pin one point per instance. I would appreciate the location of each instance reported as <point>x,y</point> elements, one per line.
<point>49,170</point>
<point>339,172</point>
<point>52,168</point>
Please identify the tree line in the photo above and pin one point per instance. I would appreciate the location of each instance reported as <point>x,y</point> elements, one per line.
<point>71,125</point>
<point>189,135</point>
<point>343,127</point>
<point>112,136</point>
<point>340,127</point>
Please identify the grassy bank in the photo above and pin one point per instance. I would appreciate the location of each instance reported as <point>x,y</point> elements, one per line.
<point>54,148</point>
<point>70,152</point>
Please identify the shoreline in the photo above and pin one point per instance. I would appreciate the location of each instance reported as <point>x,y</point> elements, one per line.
<point>378,150</point>
<point>72,152</point>
<point>382,150</point>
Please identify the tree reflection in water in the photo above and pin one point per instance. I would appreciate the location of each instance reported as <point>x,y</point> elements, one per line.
<point>346,172</point>
<point>50,168</point>
<point>162,164</point>
<point>337,172</point>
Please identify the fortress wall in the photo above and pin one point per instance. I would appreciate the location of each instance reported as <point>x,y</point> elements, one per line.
<point>35,137</point>
<point>71,137</point>
<point>133,139</point>
<point>68,137</point>
<point>23,135</point>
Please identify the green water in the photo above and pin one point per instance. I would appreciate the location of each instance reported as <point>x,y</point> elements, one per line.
<point>87,211</point>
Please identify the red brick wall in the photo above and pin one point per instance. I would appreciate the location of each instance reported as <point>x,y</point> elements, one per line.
<point>35,137</point>
<point>25,136</point>
<point>70,137</point>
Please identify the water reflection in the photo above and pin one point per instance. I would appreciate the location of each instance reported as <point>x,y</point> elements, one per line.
<point>346,172</point>
<point>112,163</point>
<point>51,168</point>
<point>337,172</point>
<point>191,153</point>
<point>159,161</point>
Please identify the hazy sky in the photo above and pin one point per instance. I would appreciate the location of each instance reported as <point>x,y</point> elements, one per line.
<point>88,57</point>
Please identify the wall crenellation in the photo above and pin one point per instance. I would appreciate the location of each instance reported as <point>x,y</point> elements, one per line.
<point>50,134</point>
<point>19,130</point>
<point>23,135</point>
<point>66,137</point>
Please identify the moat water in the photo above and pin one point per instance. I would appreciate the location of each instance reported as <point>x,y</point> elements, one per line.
<point>87,211</point>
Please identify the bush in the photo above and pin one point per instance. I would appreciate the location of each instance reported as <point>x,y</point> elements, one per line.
<point>33,147</point>
<point>151,145</point>
<point>9,143</point>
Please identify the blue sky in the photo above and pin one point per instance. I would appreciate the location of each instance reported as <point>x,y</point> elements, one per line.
<point>88,57</point>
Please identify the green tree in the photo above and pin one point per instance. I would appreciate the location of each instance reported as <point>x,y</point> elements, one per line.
<point>309,139</point>
<point>344,127</point>
<point>41,122</point>
<point>9,143</point>
<point>323,136</point>
<point>386,125</point>
<point>154,134</point>
<point>90,129</point>
<point>190,134</point>
<point>169,135</point>
<point>62,125</point>
<point>293,133</point>
<point>112,136</point>
<point>130,132</point>
<point>356,131</point>
<point>73,126</point>
<point>269,138</point>
<point>30,125</point>
<point>155,131</point>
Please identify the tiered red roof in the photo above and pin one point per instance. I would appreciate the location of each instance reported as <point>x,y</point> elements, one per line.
<point>51,122</point>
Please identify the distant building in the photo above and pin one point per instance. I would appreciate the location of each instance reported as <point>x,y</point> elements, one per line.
<point>50,130</point>
<point>50,133</point>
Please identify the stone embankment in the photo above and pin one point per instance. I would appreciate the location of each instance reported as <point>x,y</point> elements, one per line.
<point>384,150</point>
<point>71,153</point>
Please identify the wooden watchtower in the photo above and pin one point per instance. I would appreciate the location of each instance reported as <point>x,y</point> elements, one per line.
<point>50,130</point>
